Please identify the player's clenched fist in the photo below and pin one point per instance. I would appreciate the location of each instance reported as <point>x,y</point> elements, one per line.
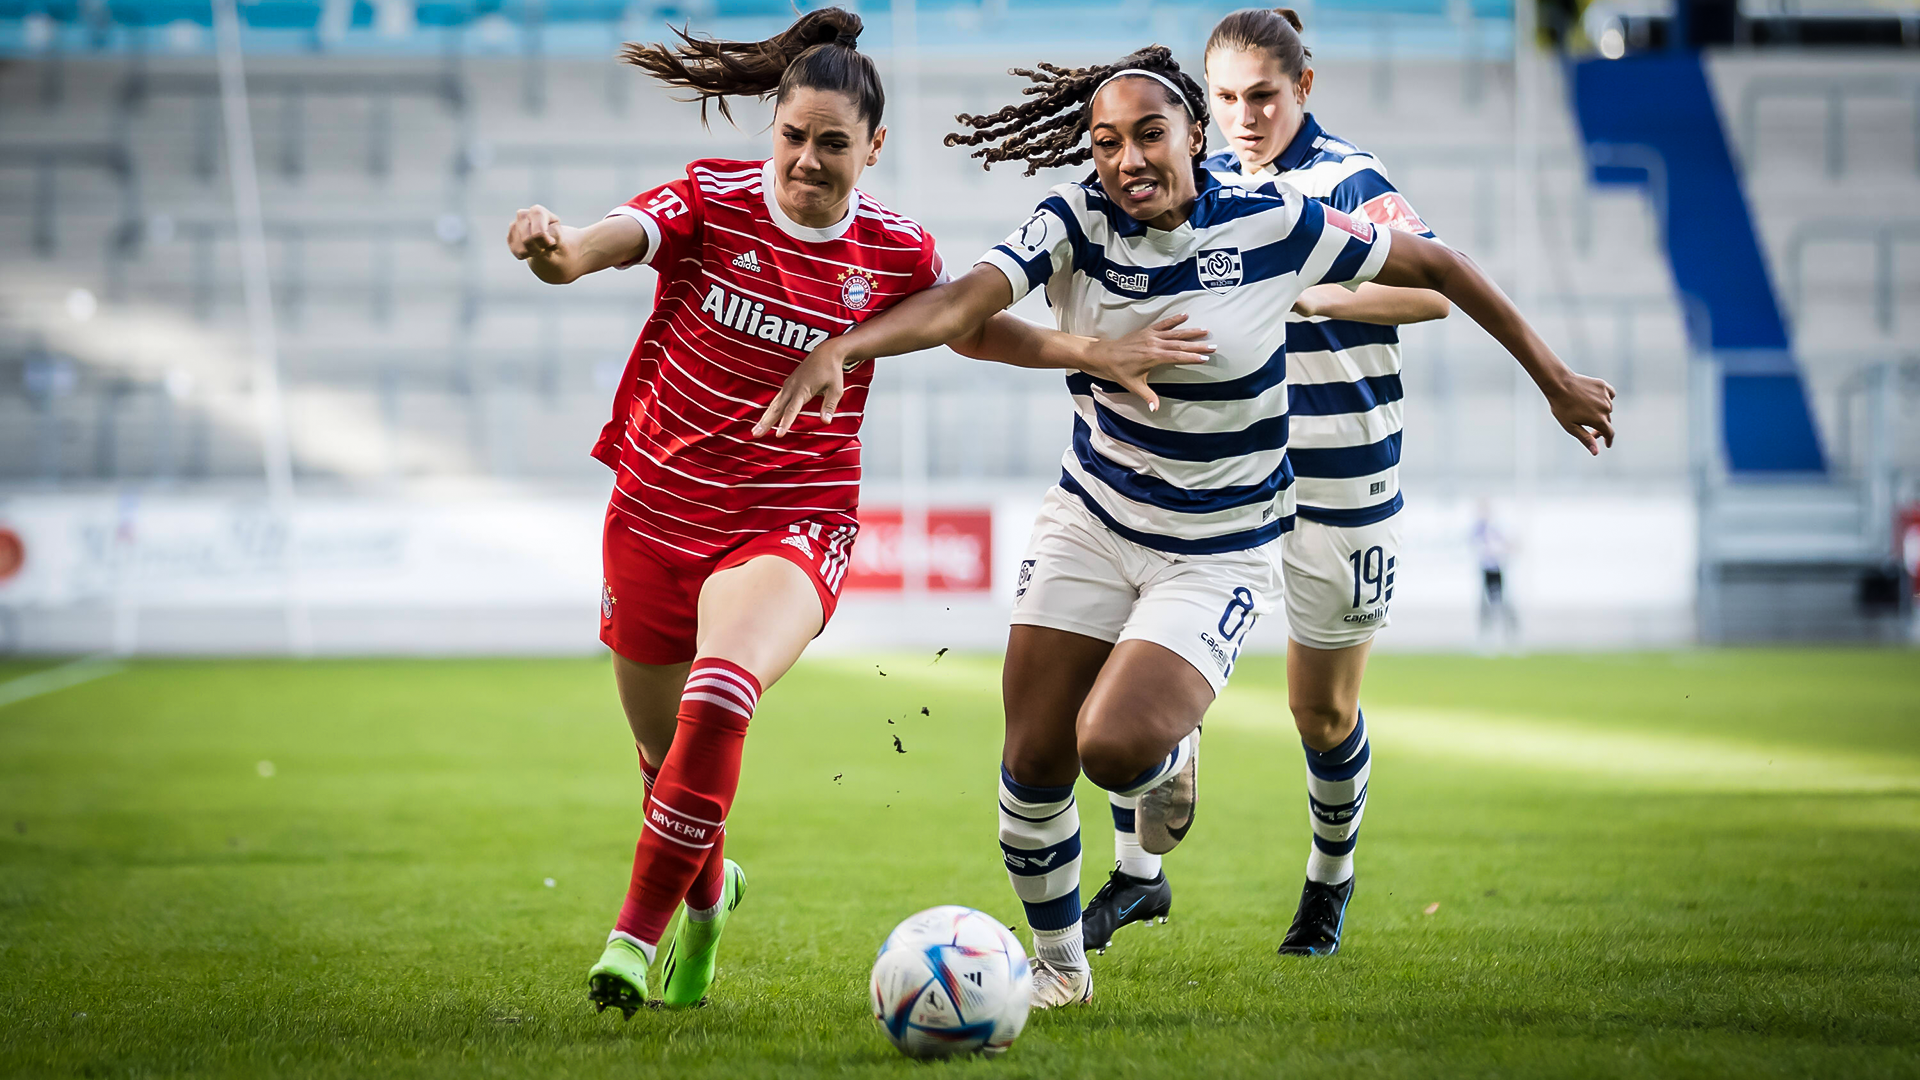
<point>535,231</point>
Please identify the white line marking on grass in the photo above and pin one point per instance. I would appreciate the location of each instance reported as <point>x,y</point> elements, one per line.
<point>1636,758</point>
<point>67,675</point>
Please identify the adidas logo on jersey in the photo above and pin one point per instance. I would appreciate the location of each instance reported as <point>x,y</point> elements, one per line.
<point>736,312</point>
<point>747,260</point>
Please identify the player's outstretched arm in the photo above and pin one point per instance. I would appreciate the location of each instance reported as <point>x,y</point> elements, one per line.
<point>558,254</point>
<point>1009,339</point>
<point>1583,405</point>
<point>1373,303</point>
<point>930,317</point>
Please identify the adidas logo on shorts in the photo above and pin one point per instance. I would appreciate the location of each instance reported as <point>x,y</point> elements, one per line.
<point>747,260</point>
<point>800,542</point>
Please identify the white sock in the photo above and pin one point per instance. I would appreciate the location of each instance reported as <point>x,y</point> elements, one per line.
<point>1061,948</point>
<point>1133,859</point>
<point>646,950</point>
<point>707,914</point>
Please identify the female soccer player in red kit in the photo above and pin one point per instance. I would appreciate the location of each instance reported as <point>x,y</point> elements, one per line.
<point>724,554</point>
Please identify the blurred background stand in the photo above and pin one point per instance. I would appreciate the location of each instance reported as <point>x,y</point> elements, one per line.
<point>438,401</point>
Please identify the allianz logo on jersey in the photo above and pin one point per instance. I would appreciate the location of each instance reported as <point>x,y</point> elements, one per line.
<point>736,312</point>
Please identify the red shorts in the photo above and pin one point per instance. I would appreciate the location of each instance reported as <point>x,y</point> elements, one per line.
<point>650,593</point>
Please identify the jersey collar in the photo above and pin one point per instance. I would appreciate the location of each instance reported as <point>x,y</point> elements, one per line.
<point>793,228</point>
<point>1300,150</point>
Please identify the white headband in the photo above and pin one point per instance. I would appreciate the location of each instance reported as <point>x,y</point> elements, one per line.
<point>1155,76</point>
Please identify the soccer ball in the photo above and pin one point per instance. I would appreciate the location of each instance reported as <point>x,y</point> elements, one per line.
<point>951,980</point>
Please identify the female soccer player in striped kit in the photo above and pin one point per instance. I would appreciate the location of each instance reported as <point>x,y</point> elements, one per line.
<point>724,555</point>
<point>1154,555</point>
<point>1342,556</point>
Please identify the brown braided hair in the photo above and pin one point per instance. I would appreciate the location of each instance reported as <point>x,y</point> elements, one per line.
<point>1277,30</point>
<point>1046,132</point>
<point>820,51</point>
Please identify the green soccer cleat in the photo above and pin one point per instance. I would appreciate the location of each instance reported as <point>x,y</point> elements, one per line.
<point>619,980</point>
<point>687,971</point>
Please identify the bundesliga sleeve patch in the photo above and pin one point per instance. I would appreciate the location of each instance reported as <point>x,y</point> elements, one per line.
<point>1394,211</point>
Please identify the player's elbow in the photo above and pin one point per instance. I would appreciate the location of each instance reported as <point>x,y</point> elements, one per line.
<point>972,345</point>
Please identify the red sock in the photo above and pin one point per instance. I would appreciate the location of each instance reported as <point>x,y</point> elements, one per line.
<point>688,810</point>
<point>705,892</point>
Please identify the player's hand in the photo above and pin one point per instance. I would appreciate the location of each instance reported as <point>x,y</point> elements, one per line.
<point>1584,407</point>
<point>821,375</point>
<point>1129,360</point>
<point>535,232</point>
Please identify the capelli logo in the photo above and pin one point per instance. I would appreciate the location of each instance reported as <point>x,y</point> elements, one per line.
<point>1125,282</point>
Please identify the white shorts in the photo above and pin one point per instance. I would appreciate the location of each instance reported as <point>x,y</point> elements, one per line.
<point>1082,577</point>
<point>1339,581</point>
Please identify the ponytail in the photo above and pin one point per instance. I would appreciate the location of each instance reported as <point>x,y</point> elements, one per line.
<point>820,51</point>
<point>1275,30</point>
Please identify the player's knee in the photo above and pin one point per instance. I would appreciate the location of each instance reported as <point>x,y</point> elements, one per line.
<point>1110,762</point>
<point>1322,724</point>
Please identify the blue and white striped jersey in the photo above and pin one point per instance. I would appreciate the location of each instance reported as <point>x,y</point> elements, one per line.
<point>1345,396</point>
<point>1209,471</point>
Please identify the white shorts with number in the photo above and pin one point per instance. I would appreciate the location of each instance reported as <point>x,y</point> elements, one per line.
<point>1339,581</point>
<point>1082,577</point>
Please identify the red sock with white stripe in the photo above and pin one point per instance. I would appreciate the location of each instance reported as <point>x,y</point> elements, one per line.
<point>688,811</point>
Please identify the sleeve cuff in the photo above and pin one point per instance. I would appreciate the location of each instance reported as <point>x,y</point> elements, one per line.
<point>1008,265</point>
<point>646,222</point>
<point>1376,258</point>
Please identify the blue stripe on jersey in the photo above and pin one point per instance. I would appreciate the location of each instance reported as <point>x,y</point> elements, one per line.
<point>1333,335</point>
<point>1212,545</point>
<point>1334,398</point>
<point>1352,519</point>
<point>1038,269</point>
<point>1269,433</point>
<point>1138,282</point>
<point>1248,386</point>
<point>1346,462</point>
<point>1153,491</point>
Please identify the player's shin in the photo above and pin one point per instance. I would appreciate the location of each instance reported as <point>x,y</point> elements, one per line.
<point>1040,842</point>
<point>1337,798</point>
<point>686,815</point>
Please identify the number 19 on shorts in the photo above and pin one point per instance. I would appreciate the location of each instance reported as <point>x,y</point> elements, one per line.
<point>1372,576</point>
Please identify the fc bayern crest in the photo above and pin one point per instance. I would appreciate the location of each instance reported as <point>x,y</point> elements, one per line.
<point>1219,268</point>
<point>856,291</point>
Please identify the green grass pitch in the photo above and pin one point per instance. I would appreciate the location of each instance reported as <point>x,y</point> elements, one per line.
<point>1695,864</point>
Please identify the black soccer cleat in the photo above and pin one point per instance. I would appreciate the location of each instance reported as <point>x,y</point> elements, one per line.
<point>1317,925</point>
<point>1124,899</point>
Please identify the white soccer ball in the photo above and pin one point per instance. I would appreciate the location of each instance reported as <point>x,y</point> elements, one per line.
<point>951,980</point>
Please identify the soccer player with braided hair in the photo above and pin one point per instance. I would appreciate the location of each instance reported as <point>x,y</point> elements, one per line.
<point>723,556</point>
<point>1155,554</point>
<point>1342,556</point>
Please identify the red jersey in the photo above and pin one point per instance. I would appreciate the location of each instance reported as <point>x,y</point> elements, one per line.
<point>744,294</point>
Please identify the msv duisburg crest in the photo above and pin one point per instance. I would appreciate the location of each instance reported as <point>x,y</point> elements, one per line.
<point>1219,268</point>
